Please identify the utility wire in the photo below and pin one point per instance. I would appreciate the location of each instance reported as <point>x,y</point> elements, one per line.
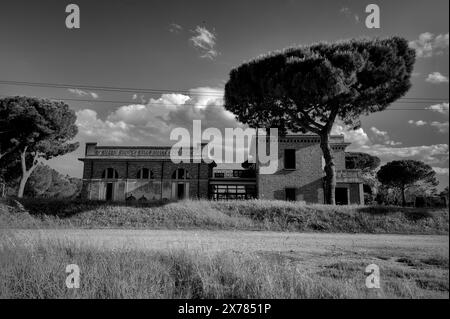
<point>141,90</point>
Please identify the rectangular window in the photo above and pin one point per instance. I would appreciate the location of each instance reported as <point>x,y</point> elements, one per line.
<point>289,159</point>
<point>219,175</point>
<point>350,162</point>
<point>290,194</point>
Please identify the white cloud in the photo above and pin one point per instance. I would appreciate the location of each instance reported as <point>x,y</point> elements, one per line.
<point>441,170</point>
<point>151,117</point>
<point>417,123</point>
<point>151,123</point>
<point>347,12</point>
<point>92,128</point>
<point>175,28</point>
<point>84,93</point>
<point>436,78</point>
<point>357,137</point>
<point>440,108</point>
<point>383,137</point>
<point>429,45</point>
<point>441,126</point>
<point>388,150</point>
<point>205,41</point>
<point>377,132</point>
<point>430,154</point>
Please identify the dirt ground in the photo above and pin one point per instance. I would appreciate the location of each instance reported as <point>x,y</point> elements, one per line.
<point>245,241</point>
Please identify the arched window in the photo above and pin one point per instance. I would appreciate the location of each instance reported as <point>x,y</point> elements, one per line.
<point>180,173</point>
<point>110,173</point>
<point>144,173</point>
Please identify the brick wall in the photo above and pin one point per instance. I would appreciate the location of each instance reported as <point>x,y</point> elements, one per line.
<point>198,181</point>
<point>306,178</point>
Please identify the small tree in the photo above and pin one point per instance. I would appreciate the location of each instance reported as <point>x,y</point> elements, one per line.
<point>48,183</point>
<point>407,173</point>
<point>40,129</point>
<point>306,88</point>
<point>444,193</point>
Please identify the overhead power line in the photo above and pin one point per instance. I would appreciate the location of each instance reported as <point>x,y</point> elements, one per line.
<point>160,91</point>
<point>106,88</point>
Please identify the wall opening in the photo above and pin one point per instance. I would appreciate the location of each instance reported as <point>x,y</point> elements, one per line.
<point>341,196</point>
<point>109,191</point>
<point>290,194</point>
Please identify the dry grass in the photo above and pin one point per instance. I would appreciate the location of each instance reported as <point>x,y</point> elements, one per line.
<point>38,271</point>
<point>236,215</point>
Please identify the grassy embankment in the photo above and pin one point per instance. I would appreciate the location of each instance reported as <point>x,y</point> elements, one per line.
<point>238,215</point>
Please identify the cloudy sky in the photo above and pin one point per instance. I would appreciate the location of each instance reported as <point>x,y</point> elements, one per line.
<point>171,60</point>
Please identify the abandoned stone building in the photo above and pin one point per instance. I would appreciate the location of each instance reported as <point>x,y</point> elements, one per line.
<point>148,174</point>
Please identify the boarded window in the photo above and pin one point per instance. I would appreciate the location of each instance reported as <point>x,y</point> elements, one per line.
<point>145,173</point>
<point>110,173</point>
<point>289,159</point>
<point>180,173</point>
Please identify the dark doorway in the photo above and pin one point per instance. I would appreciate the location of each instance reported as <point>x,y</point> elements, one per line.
<point>290,194</point>
<point>180,191</point>
<point>289,159</point>
<point>109,191</point>
<point>341,196</point>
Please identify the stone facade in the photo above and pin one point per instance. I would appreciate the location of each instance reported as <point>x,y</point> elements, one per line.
<point>163,180</point>
<point>306,179</point>
<point>148,174</point>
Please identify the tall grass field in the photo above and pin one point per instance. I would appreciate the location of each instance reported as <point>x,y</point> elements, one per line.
<point>38,271</point>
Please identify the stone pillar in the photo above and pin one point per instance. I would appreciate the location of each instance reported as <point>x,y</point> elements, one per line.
<point>361,194</point>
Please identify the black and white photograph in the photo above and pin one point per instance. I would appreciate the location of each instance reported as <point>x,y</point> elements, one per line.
<point>230,156</point>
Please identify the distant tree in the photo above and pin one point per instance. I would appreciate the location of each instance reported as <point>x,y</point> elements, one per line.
<point>8,142</point>
<point>362,161</point>
<point>405,174</point>
<point>305,89</point>
<point>42,129</point>
<point>387,195</point>
<point>39,181</point>
<point>444,192</point>
<point>49,183</point>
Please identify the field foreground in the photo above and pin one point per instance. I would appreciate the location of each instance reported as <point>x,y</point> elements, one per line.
<point>220,264</point>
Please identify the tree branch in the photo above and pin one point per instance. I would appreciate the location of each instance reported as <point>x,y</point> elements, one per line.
<point>330,120</point>
<point>310,120</point>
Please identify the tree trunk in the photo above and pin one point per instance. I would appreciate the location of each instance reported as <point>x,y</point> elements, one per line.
<point>25,173</point>
<point>330,177</point>
<point>403,196</point>
<point>23,182</point>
